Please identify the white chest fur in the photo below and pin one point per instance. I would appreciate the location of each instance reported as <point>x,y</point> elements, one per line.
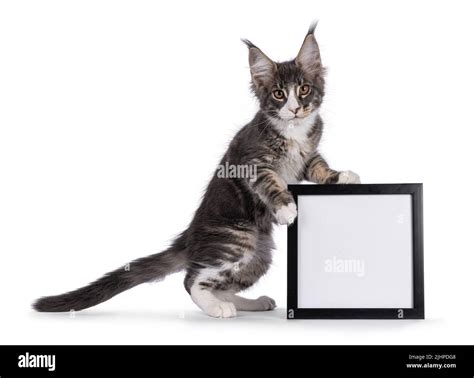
<point>293,164</point>
<point>298,147</point>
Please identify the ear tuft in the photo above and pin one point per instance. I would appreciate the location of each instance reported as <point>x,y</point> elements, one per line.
<point>312,27</point>
<point>309,58</point>
<point>247,43</point>
<point>262,68</point>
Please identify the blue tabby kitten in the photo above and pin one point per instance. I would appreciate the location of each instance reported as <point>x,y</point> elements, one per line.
<point>228,245</point>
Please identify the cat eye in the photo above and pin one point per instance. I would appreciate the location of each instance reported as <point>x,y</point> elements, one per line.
<point>303,90</point>
<point>278,94</point>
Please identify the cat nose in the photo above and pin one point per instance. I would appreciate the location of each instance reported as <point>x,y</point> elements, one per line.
<point>294,110</point>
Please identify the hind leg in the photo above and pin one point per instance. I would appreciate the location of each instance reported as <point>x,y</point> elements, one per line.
<point>211,304</point>
<point>263,303</point>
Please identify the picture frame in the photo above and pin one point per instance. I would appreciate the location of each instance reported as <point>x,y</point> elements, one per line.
<point>355,251</point>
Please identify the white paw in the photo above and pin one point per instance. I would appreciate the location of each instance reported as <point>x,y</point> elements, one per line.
<point>286,214</point>
<point>267,303</point>
<point>348,177</point>
<point>222,310</point>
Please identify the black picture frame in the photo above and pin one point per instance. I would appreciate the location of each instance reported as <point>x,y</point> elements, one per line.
<point>417,312</point>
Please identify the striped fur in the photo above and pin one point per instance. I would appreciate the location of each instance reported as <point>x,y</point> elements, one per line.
<point>228,244</point>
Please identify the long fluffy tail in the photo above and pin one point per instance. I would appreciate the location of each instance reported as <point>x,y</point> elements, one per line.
<point>143,270</point>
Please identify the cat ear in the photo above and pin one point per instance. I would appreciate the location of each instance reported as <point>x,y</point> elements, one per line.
<point>308,58</point>
<point>262,68</point>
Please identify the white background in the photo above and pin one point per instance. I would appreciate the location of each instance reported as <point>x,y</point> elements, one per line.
<point>113,115</point>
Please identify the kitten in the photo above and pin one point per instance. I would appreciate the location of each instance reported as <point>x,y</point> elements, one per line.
<point>228,245</point>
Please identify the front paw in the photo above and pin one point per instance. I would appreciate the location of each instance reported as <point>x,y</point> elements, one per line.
<point>348,177</point>
<point>286,214</point>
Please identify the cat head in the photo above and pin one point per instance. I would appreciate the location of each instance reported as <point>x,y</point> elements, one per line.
<point>288,90</point>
